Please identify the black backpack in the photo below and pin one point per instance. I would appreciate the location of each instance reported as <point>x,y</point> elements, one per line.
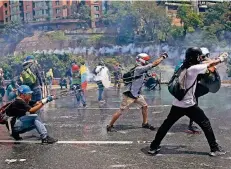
<point>94,72</point>
<point>129,76</point>
<point>176,84</point>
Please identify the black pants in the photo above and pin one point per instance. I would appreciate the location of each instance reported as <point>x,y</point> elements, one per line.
<point>194,113</point>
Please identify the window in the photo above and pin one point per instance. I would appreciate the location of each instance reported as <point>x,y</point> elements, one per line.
<point>27,7</point>
<point>57,11</point>
<point>5,4</point>
<point>6,12</point>
<point>96,8</point>
<point>96,15</point>
<point>57,2</point>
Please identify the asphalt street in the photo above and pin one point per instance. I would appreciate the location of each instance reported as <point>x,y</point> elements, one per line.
<point>85,144</point>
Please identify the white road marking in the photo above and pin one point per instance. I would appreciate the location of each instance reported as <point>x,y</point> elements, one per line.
<point>70,142</point>
<point>116,108</point>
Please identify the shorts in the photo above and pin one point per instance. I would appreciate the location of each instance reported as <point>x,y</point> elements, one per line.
<point>127,101</point>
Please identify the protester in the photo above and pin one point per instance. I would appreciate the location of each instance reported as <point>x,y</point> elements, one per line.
<point>98,78</point>
<point>23,115</point>
<point>133,89</point>
<point>76,85</point>
<point>188,105</point>
<point>11,91</point>
<point>31,76</point>
<point>49,79</point>
<point>117,75</point>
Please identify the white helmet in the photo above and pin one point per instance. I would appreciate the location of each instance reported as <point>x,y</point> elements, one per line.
<point>205,51</point>
<point>142,58</point>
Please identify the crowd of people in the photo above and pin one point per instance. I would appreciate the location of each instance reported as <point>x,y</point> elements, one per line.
<point>27,98</point>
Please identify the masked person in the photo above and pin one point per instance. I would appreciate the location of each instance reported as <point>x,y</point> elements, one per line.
<point>132,93</point>
<point>23,115</point>
<point>188,105</point>
<point>204,58</point>
<point>76,85</point>
<point>11,90</point>
<point>31,77</point>
<point>98,78</point>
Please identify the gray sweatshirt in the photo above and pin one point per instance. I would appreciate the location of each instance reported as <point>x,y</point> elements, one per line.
<point>136,85</point>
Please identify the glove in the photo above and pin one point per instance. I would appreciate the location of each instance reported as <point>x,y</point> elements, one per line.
<point>164,55</point>
<point>223,57</point>
<point>48,99</point>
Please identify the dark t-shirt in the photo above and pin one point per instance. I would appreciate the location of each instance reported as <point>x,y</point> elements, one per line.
<point>19,108</point>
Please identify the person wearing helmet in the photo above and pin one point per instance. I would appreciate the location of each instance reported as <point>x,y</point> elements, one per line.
<point>188,105</point>
<point>76,85</point>
<point>23,115</point>
<point>132,93</point>
<point>98,78</point>
<point>31,76</point>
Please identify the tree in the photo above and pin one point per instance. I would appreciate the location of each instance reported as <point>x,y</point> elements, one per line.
<point>218,17</point>
<point>14,32</point>
<point>189,18</point>
<point>153,20</point>
<point>122,17</point>
<point>82,12</point>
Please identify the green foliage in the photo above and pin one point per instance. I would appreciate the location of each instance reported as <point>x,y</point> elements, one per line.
<point>95,39</point>
<point>12,65</point>
<point>81,12</point>
<point>14,32</point>
<point>189,18</point>
<point>56,35</point>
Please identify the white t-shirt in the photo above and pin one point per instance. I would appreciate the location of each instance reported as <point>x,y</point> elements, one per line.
<point>99,71</point>
<point>191,75</point>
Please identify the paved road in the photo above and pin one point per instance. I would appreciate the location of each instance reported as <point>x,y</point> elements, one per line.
<point>85,144</point>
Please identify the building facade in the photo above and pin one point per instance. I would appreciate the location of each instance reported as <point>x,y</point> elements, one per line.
<point>96,11</point>
<point>196,5</point>
<point>33,11</point>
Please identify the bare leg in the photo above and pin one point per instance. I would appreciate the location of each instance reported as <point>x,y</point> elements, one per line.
<point>145,114</point>
<point>115,117</point>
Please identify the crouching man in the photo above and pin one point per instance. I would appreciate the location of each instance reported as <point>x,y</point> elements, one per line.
<point>23,115</point>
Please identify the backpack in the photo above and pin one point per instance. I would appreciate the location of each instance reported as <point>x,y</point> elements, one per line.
<point>176,84</point>
<point>28,77</point>
<point>3,115</point>
<point>93,71</point>
<point>129,76</point>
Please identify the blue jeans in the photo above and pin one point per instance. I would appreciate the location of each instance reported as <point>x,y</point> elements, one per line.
<point>80,96</point>
<point>28,123</point>
<point>37,94</point>
<point>100,89</point>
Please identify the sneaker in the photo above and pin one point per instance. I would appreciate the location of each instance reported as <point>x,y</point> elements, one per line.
<point>102,101</point>
<point>111,128</point>
<point>16,136</point>
<point>49,140</point>
<point>193,129</point>
<point>148,126</point>
<point>219,151</point>
<point>154,151</point>
<point>85,105</point>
